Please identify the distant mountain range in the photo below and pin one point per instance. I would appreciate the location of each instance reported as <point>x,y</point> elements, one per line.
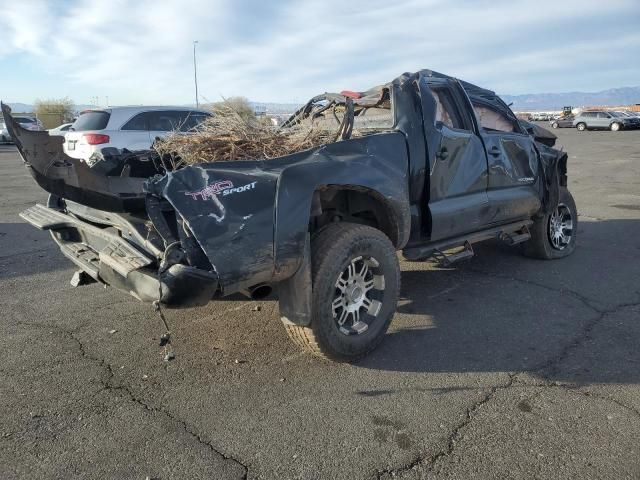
<point>526,102</point>
<point>20,107</point>
<point>555,101</point>
<point>26,108</point>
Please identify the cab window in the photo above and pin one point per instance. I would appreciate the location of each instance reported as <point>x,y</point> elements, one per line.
<point>490,119</point>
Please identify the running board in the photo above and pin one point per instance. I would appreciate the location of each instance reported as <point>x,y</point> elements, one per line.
<point>447,259</point>
<point>514,238</point>
<point>512,233</point>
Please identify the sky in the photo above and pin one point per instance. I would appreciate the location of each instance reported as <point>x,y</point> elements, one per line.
<point>141,51</point>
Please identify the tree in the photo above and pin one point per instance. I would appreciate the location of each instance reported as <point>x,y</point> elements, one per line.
<point>62,107</point>
<point>239,105</point>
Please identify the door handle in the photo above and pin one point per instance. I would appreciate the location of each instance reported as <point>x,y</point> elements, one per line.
<point>442,154</point>
<point>495,151</point>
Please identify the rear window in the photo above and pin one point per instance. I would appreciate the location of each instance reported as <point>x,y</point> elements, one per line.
<point>93,120</point>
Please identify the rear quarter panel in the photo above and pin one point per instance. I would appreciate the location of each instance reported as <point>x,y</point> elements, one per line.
<point>251,218</point>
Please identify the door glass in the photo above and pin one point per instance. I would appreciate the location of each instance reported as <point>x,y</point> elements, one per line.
<point>138,122</point>
<point>446,111</point>
<point>191,120</point>
<point>164,121</point>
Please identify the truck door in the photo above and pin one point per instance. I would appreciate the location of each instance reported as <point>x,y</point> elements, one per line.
<point>457,190</point>
<point>513,188</point>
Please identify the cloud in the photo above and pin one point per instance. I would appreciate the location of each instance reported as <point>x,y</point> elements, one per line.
<point>141,51</point>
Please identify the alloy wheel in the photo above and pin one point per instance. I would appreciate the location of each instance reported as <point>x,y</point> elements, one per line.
<point>358,295</point>
<point>560,227</point>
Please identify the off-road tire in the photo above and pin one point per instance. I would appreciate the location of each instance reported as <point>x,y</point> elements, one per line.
<point>615,127</point>
<point>581,126</point>
<point>332,251</point>
<point>540,246</point>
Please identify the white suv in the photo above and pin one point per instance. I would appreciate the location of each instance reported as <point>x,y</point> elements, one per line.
<point>131,128</point>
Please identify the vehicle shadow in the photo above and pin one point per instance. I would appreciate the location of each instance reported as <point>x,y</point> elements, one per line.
<point>501,312</point>
<point>27,251</point>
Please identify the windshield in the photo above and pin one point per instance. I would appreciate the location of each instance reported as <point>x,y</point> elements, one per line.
<point>617,114</point>
<point>24,120</point>
<point>91,120</point>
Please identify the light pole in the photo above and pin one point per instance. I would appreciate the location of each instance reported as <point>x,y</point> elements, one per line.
<point>195,72</point>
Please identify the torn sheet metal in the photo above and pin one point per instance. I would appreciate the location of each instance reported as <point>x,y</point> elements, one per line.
<point>70,178</point>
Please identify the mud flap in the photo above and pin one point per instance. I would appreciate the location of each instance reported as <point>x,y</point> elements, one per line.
<point>556,179</point>
<point>294,293</point>
<point>554,175</point>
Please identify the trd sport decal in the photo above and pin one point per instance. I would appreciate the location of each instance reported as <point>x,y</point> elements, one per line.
<point>224,187</point>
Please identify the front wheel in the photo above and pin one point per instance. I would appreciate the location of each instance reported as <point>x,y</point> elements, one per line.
<point>555,125</point>
<point>615,127</point>
<point>355,287</point>
<point>581,127</point>
<point>554,235</point>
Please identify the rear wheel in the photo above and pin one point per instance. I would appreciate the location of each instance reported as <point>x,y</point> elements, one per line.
<point>615,127</point>
<point>355,286</point>
<point>554,235</point>
<point>555,125</point>
<point>581,126</point>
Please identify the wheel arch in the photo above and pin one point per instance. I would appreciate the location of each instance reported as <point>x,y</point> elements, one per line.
<point>370,174</point>
<point>355,204</point>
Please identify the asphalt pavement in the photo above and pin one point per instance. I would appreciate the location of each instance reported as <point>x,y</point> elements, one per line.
<point>499,367</point>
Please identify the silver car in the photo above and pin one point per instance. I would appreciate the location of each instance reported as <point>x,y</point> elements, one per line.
<point>30,123</point>
<point>4,133</point>
<point>604,120</point>
<point>60,130</point>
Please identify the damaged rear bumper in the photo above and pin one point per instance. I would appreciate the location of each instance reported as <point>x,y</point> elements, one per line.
<point>110,259</point>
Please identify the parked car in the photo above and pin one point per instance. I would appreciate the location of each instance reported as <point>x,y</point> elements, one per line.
<point>30,123</point>
<point>628,114</point>
<point>127,128</point>
<point>4,133</point>
<point>604,120</point>
<point>424,164</point>
<point>60,130</point>
<point>562,122</point>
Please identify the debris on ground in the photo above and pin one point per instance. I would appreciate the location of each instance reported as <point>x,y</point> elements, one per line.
<point>169,356</point>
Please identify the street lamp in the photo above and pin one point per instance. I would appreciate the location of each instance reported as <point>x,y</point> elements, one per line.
<point>195,72</point>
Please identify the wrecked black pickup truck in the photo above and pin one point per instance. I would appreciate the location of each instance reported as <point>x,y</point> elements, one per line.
<point>426,164</point>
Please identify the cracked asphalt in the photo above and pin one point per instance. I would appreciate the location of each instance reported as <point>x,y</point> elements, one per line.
<point>501,367</point>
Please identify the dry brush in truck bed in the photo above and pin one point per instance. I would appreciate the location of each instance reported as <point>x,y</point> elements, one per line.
<point>228,136</point>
